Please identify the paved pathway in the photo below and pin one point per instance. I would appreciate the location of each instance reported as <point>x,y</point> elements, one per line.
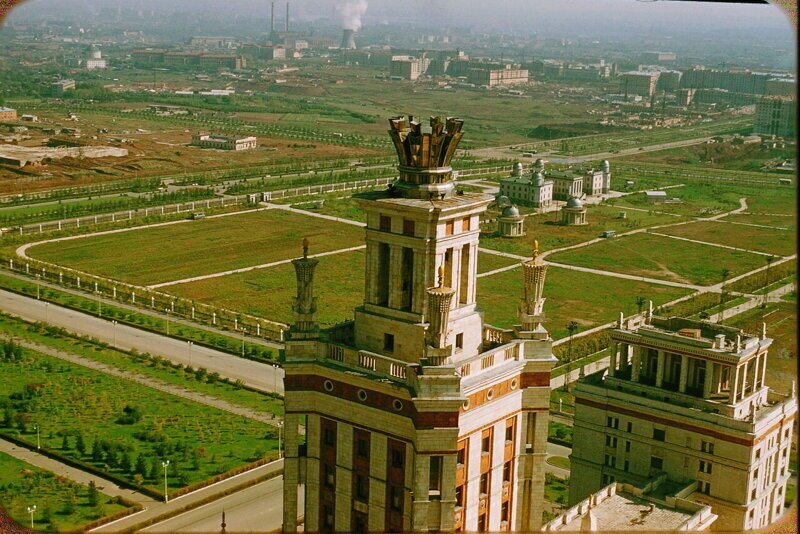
<point>602,272</point>
<point>773,296</point>
<point>711,244</point>
<point>154,383</point>
<point>258,375</point>
<point>159,509</point>
<point>287,207</point>
<point>557,450</point>
<point>251,268</point>
<point>72,473</point>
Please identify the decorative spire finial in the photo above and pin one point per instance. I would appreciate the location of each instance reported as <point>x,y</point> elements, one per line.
<point>441,276</point>
<point>223,523</point>
<point>305,247</point>
<point>535,248</point>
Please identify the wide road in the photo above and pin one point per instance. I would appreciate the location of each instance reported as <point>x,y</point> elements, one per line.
<point>254,374</point>
<point>255,509</point>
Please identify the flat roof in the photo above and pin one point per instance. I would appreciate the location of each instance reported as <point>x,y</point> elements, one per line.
<point>623,511</point>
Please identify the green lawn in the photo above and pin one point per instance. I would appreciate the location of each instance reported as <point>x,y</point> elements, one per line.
<point>661,257</point>
<point>489,262</point>
<point>780,242</point>
<point>174,252</point>
<point>144,364</point>
<point>790,223</point>
<point>559,461</point>
<point>550,234</point>
<point>781,319</point>
<point>60,503</point>
<point>589,299</point>
<point>123,427</point>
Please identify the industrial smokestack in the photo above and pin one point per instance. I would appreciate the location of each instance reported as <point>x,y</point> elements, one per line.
<point>272,19</point>
<point>348,42</point>
<point>287,17</point>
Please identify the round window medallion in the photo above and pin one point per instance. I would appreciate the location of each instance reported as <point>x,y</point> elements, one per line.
<point>362,395</point>
<point>328,385</point>
<point>397,404</point>
<point>490,394</point>
<point>466,404</point>
<point>513,383</point>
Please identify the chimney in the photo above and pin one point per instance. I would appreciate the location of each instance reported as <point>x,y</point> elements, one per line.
<point>287,17</point>
<point>348,42</point>
<point>272,19</point>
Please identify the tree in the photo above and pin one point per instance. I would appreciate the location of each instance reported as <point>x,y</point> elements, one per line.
<point>97,451</point>
<point>640,300</point>
<point>80,444</point>
<point>64,442</point>
<point>141,465</point>
<point>93,495</point>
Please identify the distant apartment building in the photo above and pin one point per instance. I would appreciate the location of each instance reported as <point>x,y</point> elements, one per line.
<point>8,114</point>
<point>669,81</point>
<point>781,87</point>
<point>776,115</point>
<point>58,88</point>
<point>494,77</point>
<point>557,69</point>
<point>687,400</point>
<point>179,58</point>
<point>735,80</point>
<point>224,142</point>
<point>408,67</point>
<point>639,82</point>
<point>95,60</point>
<point>528,189</point>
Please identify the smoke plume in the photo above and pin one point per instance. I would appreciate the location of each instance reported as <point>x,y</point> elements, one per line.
<point>351,14</point>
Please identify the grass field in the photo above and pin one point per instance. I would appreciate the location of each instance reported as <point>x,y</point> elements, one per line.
<point>661,257</point>
<point>60,503</point>
<point>551,234</point>
<point>589,299</point>
<point>779,242</point>
<point>125,428</point>
<point>268,293</point>
<point>210,245</point>
<point>778,221</point>
<point>781,319</point>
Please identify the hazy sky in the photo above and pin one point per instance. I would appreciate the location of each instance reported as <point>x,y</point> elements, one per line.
<point>513,15</point>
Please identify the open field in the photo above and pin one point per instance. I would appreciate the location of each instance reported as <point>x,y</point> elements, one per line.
<point>60,503</point>
<point>122,427</point>
<point>780,242</point>
<point>175,252</point>
<point>661,257</point>
<point>589,299</point>
<point>778,221</point>
<point>551,234</point>
<point>268,293</point>
<point>726,155</point>
<point>781,319</point>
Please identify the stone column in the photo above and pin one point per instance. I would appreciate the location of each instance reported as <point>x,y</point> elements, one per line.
<point>395,279</point>
<point>763,369</point>
<point>756,367</point>
<point>624,357</point>
<point>708,379</point>
<point>612,363</point>
<point>660,368</point>
<point>455,279</point>
<point>636,364</point>
<point>684,373</point>
<point>291,473</point>
<point>735,389</point>
<point>371,279</point>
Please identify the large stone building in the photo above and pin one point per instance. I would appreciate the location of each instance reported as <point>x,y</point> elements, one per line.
<point>689,400</point>
<point>224,142</point>
<point>417,416</point>
<point>529,189</point>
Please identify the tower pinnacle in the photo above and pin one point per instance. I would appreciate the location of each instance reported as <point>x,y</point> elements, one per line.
<point>305,303</point>
<point>531,315</point>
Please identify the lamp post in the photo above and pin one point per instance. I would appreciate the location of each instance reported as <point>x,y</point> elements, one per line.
<point>280,441</point>
<point>99,304</point>
<point>38,286</point>
<point>165,464</point>
<point>166,310</point>
<point>38,443</point>
<point>244,331</point>
<point>190,343</point>
<point>32,510</point>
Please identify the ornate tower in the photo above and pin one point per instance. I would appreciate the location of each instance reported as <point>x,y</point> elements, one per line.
<point>416,415</point>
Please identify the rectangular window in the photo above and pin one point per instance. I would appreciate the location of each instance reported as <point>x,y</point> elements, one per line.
<point>507,469</point>
<point>627,446</point>
<point>362,448</point>
<point>396,498</point>
<point>484,484</point>
<point>460,341</point>
<point>611,441</point>
<point>449,228</point>
<point>612,422</point>
<point>465,224</point>
<point>486,444</point>
<point>627,465</point>
<point>707,447</point>
<point>705,487</point>
<point>388,342</point>
<point>329,436</point>
<point>435,476</point>
<point>705,467</point>
<point>408,227</point>
<point>461,456</point>
<point>656,462</point>
<point>630,427</point>
<point>659,434</point>
<point>610,460</point>
<point>386,223</point>
<point>398,459</point>
<point>362,488</point>
<point>327,516</point>
<point>460,496</point>
<point>758,454</point>
<point>330,474</point>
